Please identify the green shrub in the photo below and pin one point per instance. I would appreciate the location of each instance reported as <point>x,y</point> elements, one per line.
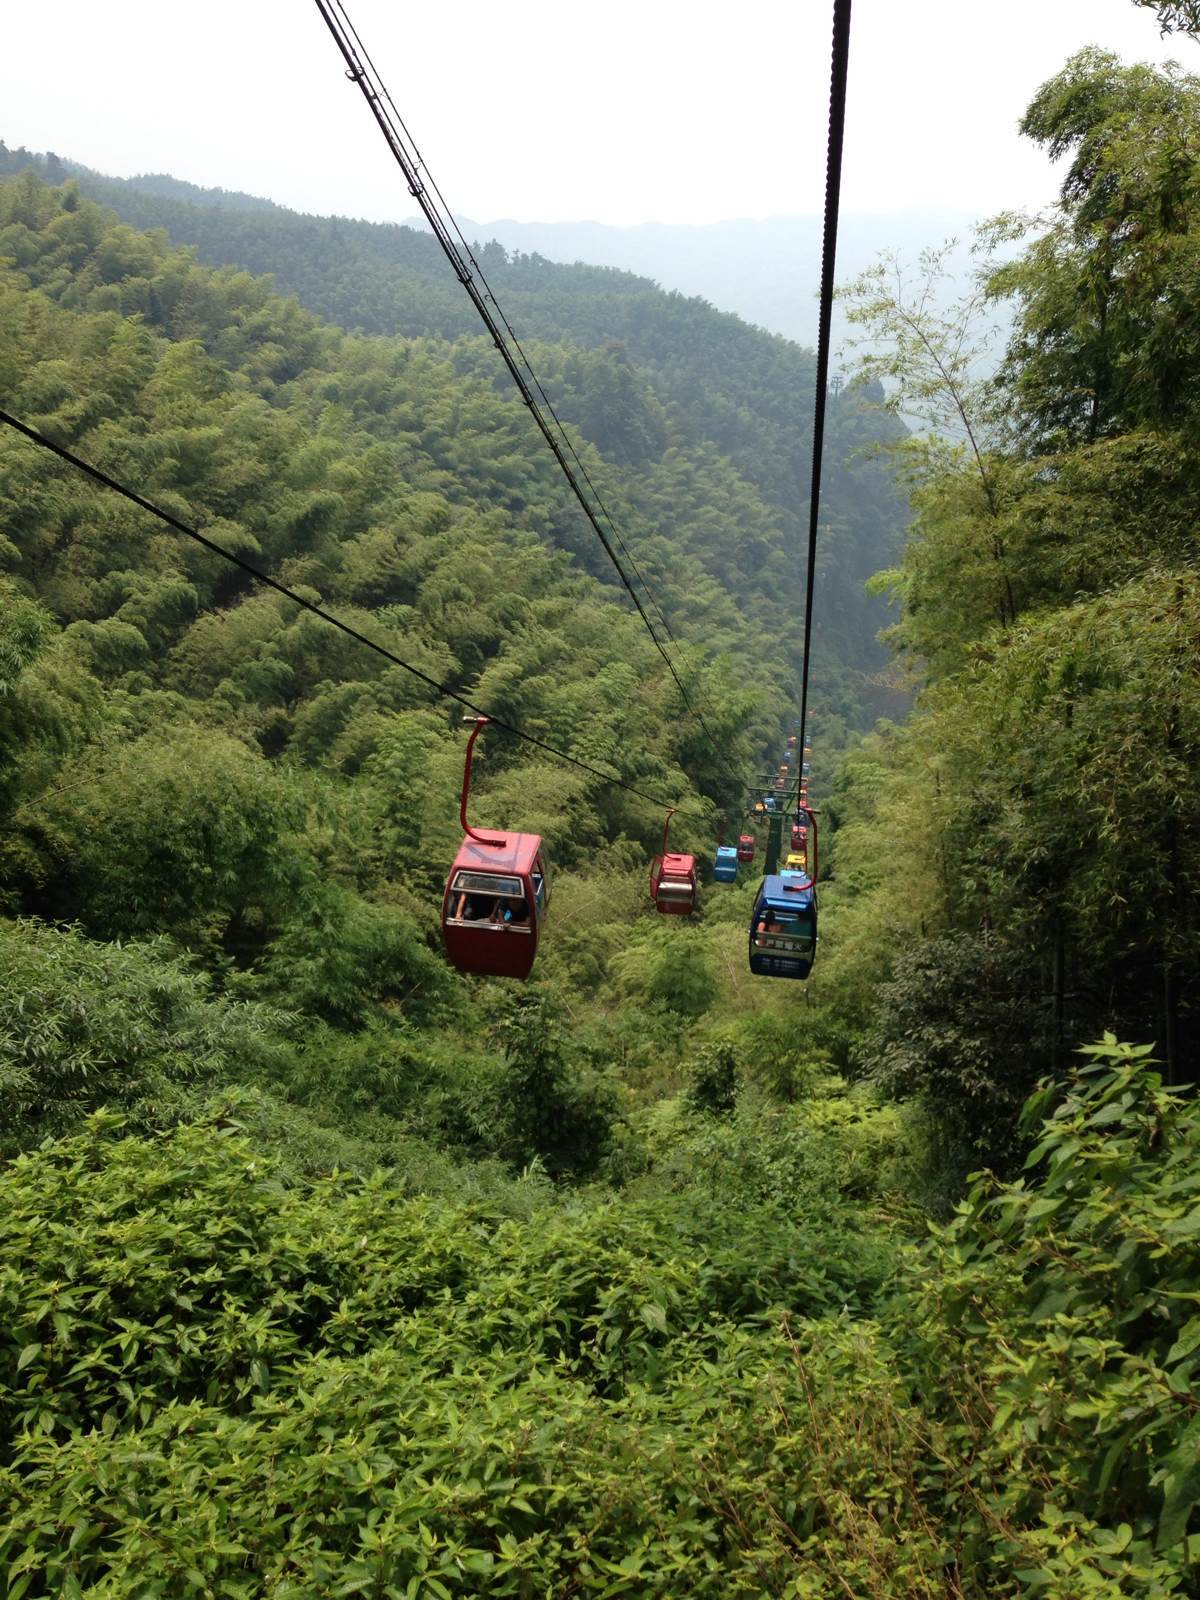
<point>183,832</point>
<point>815,1158</point>
<point>960,1029</point>
<point>221,1382</point>
<point>1058,1342</point>
<point>84,1024</point>
<point>668,967</point>
<point>548,1108</point>
<point>350,962</point>
<point>714,1079</point>
<point>213,1381</point>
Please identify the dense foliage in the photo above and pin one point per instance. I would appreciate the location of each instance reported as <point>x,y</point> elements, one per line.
<point>228,1383</point>
<point>325,1271</point>
<point>1044,798</point>
<point>700,424</point>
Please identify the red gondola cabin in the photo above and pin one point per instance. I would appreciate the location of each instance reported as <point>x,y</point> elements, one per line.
<point>495,899</point>
<point>745,847</point>
<point>673,884</point>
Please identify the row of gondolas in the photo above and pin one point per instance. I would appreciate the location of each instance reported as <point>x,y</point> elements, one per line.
<point>498,890</point>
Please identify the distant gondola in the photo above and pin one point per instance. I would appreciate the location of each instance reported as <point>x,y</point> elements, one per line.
<point>725,869</point>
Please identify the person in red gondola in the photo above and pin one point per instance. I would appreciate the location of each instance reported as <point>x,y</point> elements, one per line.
<point>496,895</point>
<point>475,907</point>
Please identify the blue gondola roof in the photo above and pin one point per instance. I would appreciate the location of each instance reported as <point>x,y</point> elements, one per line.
<point>775,891</point>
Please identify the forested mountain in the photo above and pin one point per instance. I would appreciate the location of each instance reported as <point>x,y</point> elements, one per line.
<point>718,413</point>
<point>764,269</point>
<point>327,1270</point>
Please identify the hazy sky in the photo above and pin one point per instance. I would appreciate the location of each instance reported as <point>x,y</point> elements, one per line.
<point>622,112</point>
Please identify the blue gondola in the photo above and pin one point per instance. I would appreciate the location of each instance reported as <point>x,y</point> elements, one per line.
<point>726,868</point>
<point>783,927</point>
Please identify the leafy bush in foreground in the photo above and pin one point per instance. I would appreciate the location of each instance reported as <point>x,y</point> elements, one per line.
<point>1059,1341</point>
<point>215,1384</point>
<point>254,1367</point>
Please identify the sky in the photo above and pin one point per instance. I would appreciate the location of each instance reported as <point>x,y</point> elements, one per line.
<point>546,110</point>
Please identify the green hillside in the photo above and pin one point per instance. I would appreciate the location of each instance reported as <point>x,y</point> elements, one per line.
<point>709,418</point>
<point>327,1270</point>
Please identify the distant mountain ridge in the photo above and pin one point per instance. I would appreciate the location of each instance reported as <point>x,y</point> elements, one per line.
<point>56,169</point>
<point>766,271</point>
<point>161,183</point>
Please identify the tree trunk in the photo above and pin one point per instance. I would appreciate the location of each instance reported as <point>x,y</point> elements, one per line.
<point>1170,1024</point>
<point>1060,963</point>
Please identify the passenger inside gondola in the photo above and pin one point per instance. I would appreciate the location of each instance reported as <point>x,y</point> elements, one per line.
<point>475,907</point>
<point>506,909</point>
<point>784,931</point>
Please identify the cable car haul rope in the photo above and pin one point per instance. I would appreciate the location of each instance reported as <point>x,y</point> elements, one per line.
<point>498,890</point>
<point>361,71</point>
<point>265,578</point>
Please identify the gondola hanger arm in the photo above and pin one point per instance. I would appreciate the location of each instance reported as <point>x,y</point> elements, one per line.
<point>473,833</point>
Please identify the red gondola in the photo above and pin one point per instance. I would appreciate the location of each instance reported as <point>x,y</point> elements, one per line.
<point>673,879</point>
<point>799,836</point>
<point>496,895</point>
<point>745,847</point>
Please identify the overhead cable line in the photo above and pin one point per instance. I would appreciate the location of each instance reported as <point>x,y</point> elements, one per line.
<point>361,70</point>
<point>465,250</point>
<point>833,191</point>
<point>265,578</point>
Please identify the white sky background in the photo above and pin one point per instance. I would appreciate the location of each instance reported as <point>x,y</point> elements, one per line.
<point>547,110</point>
